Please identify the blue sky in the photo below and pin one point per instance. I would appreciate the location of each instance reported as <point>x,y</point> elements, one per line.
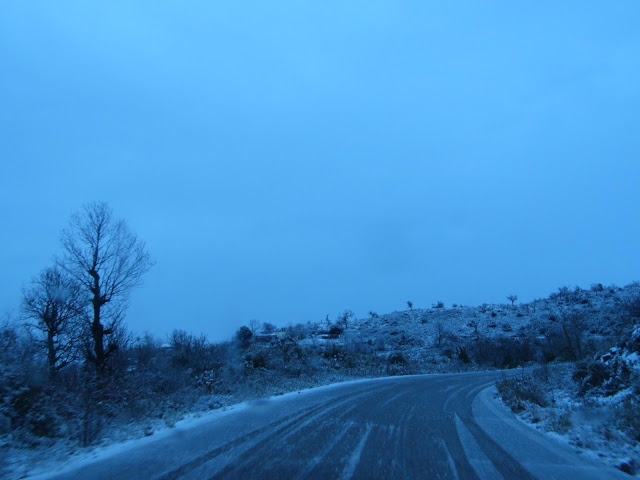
<point>288,160</point>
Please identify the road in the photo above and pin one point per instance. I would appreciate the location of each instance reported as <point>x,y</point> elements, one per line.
<point>425,427</point>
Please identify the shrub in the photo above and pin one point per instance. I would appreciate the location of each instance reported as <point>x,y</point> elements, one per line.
<point>335,330</point>
<point>244,337</point>
<point>463,355</point>
<point>517,392</point>
<point>627,418</point>
<point>561,423</point>
<point>608,378</point>
<point>396,359</point>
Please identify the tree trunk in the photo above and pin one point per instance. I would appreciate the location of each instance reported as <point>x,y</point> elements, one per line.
<point>51,354</point>
<point>97,330</point>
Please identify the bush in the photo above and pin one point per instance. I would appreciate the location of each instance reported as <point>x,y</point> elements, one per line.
<point>396,359</point>
<point>463,355</point>
<point>561,423</point>
<point>627,418</point>
<point>590,375</point>
<point>517,392</point>
<point>608,378</point>
<point>335,330</point>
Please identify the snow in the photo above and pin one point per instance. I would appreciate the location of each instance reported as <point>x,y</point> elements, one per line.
<point>413,334</point>
<point>354,459</point>
<point>112,447</point>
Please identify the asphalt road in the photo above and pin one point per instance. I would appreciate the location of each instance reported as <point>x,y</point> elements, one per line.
<point>424,427</point>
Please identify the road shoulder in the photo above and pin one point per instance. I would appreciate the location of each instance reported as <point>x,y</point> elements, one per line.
<point>543,456</point>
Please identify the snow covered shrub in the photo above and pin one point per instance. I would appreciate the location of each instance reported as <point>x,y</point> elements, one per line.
<point>518,392</point>
<point>604,376</point>
<point>255,361</point>
<point>590,375</point>
<point>397,364</point>
<point>501,352</point>
<point>632,342</point>
<point>560,422</point>
<point>628,417</point>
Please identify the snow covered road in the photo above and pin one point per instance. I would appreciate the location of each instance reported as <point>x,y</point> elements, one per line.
<point>426,426</point>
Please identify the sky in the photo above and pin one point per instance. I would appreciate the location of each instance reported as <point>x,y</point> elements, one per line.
<point>284,161</point>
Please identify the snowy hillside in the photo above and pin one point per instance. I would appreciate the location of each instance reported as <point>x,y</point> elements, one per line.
<point>153,383</point>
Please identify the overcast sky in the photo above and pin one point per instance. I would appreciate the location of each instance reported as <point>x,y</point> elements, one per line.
<point>288,160</point>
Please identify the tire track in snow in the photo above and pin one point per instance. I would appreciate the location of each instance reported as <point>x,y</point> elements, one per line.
<point>252,438</point>
<point>354,459</point>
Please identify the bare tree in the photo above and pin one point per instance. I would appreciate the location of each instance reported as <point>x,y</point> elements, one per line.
<point>53,304</point>
<point>410,304</point>
<point>254,325</point>
<point>474,324</point>
<point>574,325</point>
<point>344,317</point>
<point>108,261</point>
<point>512,298</point>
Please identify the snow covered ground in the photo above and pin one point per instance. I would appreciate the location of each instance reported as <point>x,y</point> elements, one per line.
<point>367,429</point>
<point>429,340</point>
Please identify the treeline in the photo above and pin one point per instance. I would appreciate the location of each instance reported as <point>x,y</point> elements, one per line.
<point>149,382</point>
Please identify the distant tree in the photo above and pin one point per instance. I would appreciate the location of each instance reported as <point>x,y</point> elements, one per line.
<point>574,325</point>
<point>189,351</point>
<point>52,306</point>
<point>108,261</point>
<point>268,327</point>
<point>438,305</point>
<point>244,337</point>
<point>373,314</point>
<point>254,325</point>
<point>513,299</point>
<point>344,317</point>
<point>410,304</point>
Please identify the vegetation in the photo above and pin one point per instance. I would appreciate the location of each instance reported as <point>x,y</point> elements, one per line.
<point>71,374</point>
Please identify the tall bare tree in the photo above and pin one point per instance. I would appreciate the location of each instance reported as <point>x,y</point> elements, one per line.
<point>108,260</point>
<point>52,305</point>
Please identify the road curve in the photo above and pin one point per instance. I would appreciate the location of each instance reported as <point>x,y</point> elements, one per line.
<point>425,426</point>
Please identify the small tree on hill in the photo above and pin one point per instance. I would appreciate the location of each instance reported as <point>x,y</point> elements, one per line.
<point>268,327</point>
<point>244,337</point>
<point>513,299</point>
<point>254,325</point>
<point>344,317</point>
